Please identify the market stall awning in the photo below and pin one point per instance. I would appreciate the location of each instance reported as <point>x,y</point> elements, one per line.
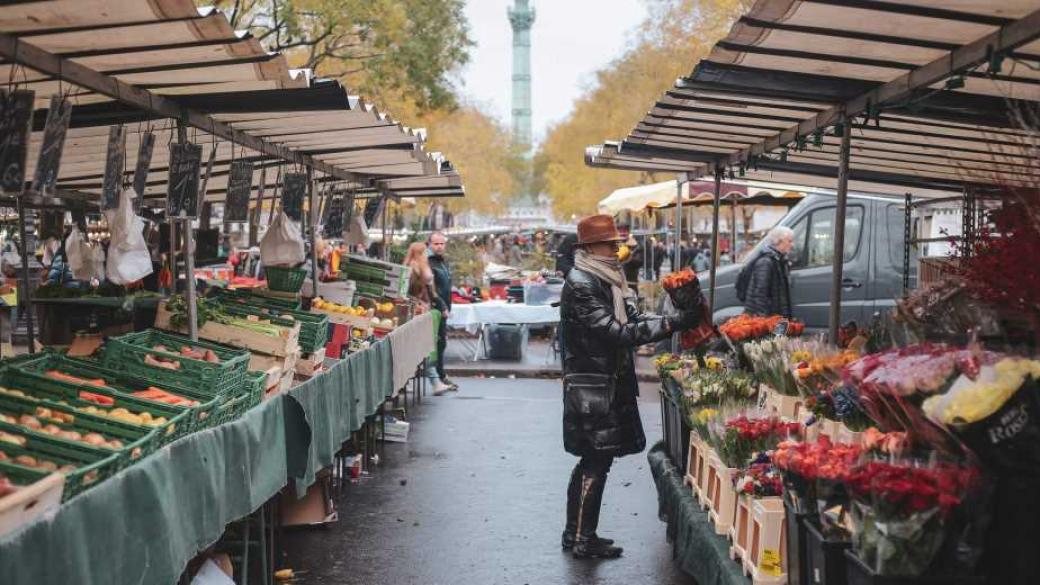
<point>929,89</point>
<point>244,101</point>
<point>638,198</point>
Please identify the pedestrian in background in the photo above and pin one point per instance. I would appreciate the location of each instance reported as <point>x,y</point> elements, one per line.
<point>768,277</point>
<point>442,287</point>
<point>421,289</point>
<point>601,327</point>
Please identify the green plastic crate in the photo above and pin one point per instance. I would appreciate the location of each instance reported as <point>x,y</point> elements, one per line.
<point>30,375</point>
<point>138,440</point>
<point>21,476</point>
<point>93,466</point>
<point>127,353</point>
<point>314,329</point>
<point>257,299</point>
<point>251,395</point>
<point>284,279</point>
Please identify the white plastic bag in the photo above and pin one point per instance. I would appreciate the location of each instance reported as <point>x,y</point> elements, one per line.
<point>128,257</point>
<point>80,254</point>
<point>282,245</point>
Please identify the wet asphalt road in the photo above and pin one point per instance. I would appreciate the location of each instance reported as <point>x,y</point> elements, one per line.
<point>482,502</point>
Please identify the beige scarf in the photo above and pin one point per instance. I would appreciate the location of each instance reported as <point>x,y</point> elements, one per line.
<point>609,270</point>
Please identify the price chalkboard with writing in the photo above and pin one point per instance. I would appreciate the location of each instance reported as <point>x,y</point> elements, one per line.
<point>56,128</point>
<point>294,187</point>
<point>114,164</point>
<point>16,108</point>
<point>144,163</point>
<point>240,185</point>
<point>182,192</point>
<point>336,214</point>
<point>373,207</point>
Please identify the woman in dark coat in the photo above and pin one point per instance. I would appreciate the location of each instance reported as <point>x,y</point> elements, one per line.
<point>601,326</point>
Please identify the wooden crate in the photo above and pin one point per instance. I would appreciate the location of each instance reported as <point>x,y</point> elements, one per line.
<point>31,502</point>
<point>766,558</point>
<point>789,407</point>
<point>259,362</point>
<point>722,495</point>
<point>702,471</point>
<point>845,435</point>
<point>739,533</point>
<point>311,364</point>
<point>282,345</point>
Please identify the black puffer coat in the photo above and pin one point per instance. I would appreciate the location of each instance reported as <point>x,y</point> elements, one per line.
<point>769,289</point>
<point>596,343</point>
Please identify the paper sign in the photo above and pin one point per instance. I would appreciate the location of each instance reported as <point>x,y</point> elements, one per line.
<point>115,161</point>
<point>770,563</point>
<point>240,186</point>
<point>58,116</point>
<point>16,108</point>
<point>294,187</point>
<point>182,195</point>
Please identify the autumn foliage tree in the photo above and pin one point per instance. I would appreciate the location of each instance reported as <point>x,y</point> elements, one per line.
<point>675,35</point>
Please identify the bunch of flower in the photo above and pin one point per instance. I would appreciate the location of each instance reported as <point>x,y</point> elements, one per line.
<point>666,362</point>
<point>921,368</point>
<point>892,443</point>
<point>770,359</point>
<point>701,419</point>
<point>839,403</point>
<point>821,459</point>
<point>714,386</point>
<point>900,512</point>
<point>743,437</point>
<point>977,399</point>
<point>822,370</point>
<point>678,279</point>
<point>760,480</point>
<point>745,327</point>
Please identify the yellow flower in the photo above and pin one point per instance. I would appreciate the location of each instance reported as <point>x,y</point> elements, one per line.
<point>706,415</point>
<point>713,363</point>
<point>801,356</point>
<point>982,399</point>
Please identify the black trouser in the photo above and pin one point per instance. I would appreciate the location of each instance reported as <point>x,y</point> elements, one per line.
<point>585,494</point>
<point>442,344</point>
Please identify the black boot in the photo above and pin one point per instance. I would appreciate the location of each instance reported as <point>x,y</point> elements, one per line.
<point>573,500</point>
<point>587,545</point>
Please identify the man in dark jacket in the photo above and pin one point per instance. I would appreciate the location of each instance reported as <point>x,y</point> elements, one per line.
<point>769,288</point>
<point>601,326</point>
<point>442,286</point>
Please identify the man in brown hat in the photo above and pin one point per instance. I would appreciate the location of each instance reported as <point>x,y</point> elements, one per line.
<point>601,326</point>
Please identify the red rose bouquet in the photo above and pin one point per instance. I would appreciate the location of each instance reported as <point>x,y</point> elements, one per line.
<point>742,437</point>
<point>900,513</point>
<point>813,472</point>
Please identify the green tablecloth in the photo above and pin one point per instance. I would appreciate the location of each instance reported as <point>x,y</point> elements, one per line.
<point>147,522</point>
<point>699,551</point>
<point>334,405</point>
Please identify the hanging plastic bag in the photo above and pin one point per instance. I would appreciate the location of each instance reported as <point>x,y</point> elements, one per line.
<point>282,245</point>
<point>128,257</point>
<point>81,255</point>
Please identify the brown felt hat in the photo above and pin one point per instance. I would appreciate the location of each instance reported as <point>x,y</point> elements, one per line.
<point>597,228</point>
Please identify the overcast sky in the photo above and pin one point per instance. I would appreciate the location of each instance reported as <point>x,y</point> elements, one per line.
<point>571,39</point>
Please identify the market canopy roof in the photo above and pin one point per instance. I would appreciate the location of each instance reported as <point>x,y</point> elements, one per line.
<point>931,89</point>
<point>246,101</point>
<point>663,195</point>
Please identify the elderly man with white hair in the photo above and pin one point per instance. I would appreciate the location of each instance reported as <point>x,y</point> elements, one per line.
<point>767,274</point>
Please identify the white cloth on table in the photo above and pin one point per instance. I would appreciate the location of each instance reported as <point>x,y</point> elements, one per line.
<point>409,345</point>
<point>472,316</point>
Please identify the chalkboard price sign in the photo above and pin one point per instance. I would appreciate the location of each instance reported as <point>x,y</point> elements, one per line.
<point>58,116</point>
<point>16,108</point>
<point>240,184</point>
<point>114,163</point>
<point>373,207</point>
<point>182,195</point>
<point>336,214</point>
<point>294,186</point>
<point>144,163</point>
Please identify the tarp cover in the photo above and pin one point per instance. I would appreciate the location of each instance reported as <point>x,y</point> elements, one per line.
<point>697,549</point>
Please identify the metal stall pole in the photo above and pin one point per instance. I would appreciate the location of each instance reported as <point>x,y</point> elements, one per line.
<point>839,228</point>
<point>677,244</point>
<point>254,222</point>
<point>714,239</point>
<point>733,230</point>
<point>386,245</point>
<point>189,254</point>
<point>25,299</point>
<point>313,228</point>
